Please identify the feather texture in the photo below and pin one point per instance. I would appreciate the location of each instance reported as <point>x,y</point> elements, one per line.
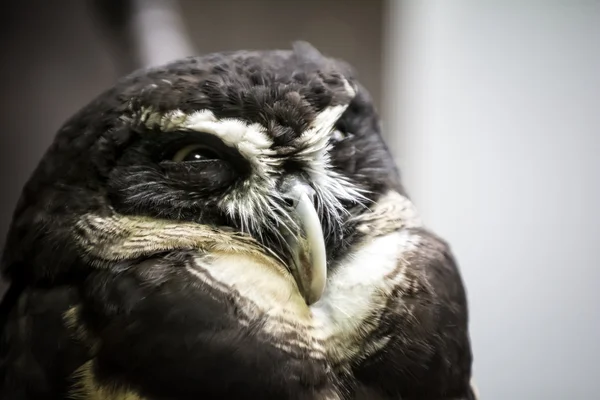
<point>136,275</point>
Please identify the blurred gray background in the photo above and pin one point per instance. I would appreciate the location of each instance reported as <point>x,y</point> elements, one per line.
<point>491,108</point>
<point>495,118</point>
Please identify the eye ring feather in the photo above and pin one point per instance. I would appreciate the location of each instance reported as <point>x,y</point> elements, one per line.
<point>196,152</point>
<point>337,136</point>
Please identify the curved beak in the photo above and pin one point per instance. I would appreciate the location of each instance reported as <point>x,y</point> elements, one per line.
<point>308,246</point>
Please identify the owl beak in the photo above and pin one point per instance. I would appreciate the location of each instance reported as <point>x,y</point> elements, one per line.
<point>308,249</point>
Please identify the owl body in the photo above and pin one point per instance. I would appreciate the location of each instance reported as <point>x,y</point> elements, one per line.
<point>229,226</point>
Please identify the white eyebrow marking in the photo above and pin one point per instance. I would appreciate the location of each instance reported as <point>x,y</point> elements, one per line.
<point>317,135</point>
<point>251,140</point>
<point>349,88</point>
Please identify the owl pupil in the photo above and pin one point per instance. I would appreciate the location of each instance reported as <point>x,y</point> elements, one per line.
<point>194,156</point>
<point>200,155</point>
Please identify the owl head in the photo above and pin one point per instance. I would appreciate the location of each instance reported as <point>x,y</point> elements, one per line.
<point>234,218</point>
<point>281,146</point>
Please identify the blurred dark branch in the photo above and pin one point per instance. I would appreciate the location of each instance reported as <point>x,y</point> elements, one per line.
<point>143,32</point>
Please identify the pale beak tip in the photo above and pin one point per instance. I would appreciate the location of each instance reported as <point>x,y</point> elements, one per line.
<point>316,245</point>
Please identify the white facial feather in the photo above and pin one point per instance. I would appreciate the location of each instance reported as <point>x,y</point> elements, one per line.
<point>357,293</point>
<point>258,199</point>
<point>335,326</point>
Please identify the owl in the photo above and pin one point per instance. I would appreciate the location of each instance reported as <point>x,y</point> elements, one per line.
<point>229,226</point>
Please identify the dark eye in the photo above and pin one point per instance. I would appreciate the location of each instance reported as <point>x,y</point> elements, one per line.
<point>339,135</point>
<point>195,152</point>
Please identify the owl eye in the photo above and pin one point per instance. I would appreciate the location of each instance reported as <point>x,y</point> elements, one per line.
<point>337,136</point>
<point>340,135</point>
<point>196,152</point>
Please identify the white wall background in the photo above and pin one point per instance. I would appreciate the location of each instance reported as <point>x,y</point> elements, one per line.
<point>493,108</point>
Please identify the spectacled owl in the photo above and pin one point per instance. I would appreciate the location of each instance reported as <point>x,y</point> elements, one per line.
<point>229,226</point>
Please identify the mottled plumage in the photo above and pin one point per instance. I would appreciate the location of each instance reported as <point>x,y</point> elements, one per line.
<point>158,252</point>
